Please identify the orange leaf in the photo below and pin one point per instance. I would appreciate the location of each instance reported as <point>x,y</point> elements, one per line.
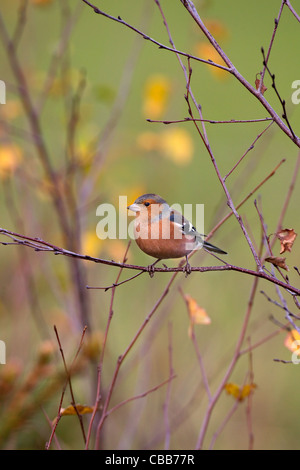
<point>217,28</point>
<point>277,261</point>
<point>286,237</point>
<point>198,315</point>
<point>10,158</point>
<point>290,339</point>
<point>208,52</point>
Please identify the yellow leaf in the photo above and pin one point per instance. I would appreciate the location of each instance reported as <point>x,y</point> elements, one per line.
<point>177,145</point>
<point>10,158</point>
<point>239,393</point>
<point>91,244</point>
<point>207,52</point>
<point>80,409</point>
<point>156,95</point>
<point>84,156</point>
<point>290,341</point>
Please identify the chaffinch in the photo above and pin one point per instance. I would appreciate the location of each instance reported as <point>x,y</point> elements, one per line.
<point>164,233</point>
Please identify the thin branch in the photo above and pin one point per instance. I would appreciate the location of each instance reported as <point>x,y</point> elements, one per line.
<point>148,38</point>
<point>21,22</point>
<point>68,381</point>
<point>288,198</point>
<point>211,121</point>
<point>282,101</point>
<point>199,357</point>
<point>168,394</point>
<point>190,7</point>
<point>140,395</point>
<point>123,356</point>
<point>237,352</point>
<point>248,150</point>
<point>288,4</point>
<point>270,46</point>
<point>39,245</point>
<point>246,198</point>
<point>100,364</point>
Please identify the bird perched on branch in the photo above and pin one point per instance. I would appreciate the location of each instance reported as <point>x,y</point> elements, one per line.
<point>164,233</point>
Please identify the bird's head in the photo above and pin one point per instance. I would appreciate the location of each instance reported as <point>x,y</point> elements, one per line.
<point>147,202</point>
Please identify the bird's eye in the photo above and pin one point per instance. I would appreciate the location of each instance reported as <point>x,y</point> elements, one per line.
<point>146,204</point>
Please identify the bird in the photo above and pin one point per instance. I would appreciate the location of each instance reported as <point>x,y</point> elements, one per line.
<point>165,233</point>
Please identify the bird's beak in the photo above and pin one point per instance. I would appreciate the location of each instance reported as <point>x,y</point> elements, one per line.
<point>134,207</point>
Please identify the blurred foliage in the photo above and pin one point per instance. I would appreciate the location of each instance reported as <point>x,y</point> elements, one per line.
<point>94,84</point>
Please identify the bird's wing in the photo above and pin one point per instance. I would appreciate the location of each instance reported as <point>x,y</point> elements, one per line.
<point>188,229</point>
<point>185,225</point>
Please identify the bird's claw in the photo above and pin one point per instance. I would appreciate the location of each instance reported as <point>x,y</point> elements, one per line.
<point>150,270</point>
<point>187,269</point>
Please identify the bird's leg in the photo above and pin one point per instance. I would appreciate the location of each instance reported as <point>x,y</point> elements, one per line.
<point>187,268</point>
<point>150,268</point>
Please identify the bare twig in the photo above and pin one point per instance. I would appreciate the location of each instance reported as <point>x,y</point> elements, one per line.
<point>168,394</point>
<point>248,150</point>
<point>199,357</point>
<point>20,25</point>
<point>246,198</point>
<point>40,245</point>
<point>288,4</point>
<point>100,364</point>
<point>270,46</point>
<point>237,352</point>
<point>148,38</point>
<point>282,101</point>
<point>69,374</point>
<point>140,395</point>
<point>211,121</point>
<point>190,7</point>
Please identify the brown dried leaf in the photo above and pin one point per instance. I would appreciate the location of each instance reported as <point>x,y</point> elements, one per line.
<point>286,237</point>
<point>277,261</point>
<point>257,84</point>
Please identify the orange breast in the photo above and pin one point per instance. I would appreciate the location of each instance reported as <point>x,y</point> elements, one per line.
<point>163,239</point>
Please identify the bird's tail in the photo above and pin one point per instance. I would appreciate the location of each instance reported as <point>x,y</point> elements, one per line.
<point>215,249</point>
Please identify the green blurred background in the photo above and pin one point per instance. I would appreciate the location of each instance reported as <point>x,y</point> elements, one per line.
<point>128,80</point>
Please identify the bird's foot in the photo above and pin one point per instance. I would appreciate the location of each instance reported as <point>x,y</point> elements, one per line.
<point>187,269</point>
<point>150,268</point>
